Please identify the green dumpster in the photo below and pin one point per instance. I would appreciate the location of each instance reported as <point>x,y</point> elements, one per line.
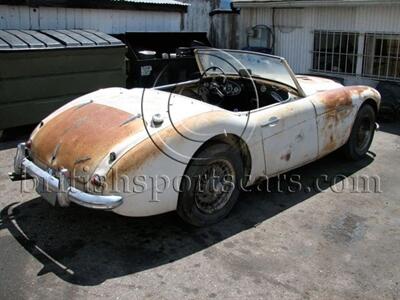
<point>42,70</point>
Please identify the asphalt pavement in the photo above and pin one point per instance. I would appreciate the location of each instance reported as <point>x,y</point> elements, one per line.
<point>330,239</point>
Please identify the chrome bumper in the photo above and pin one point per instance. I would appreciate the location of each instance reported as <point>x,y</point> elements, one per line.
<point>59,188</point>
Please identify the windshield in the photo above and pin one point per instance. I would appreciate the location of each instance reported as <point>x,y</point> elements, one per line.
<point>240,63</point>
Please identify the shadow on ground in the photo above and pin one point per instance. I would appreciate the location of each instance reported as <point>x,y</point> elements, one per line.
<point>86,247</point>
<point>390,127</point>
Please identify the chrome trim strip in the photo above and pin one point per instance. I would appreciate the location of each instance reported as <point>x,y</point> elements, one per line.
<point>174,85</point>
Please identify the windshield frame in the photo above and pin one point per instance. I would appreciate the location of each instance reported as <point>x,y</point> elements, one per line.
<point>282,60</point>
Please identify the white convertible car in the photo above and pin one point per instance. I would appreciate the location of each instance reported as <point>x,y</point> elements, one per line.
<point>191,146</point>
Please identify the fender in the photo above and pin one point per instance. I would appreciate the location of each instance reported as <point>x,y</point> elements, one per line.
<point>159,162</point>
<point>336,111</point>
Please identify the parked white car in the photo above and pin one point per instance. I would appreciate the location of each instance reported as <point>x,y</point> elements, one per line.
<point>191,146</point>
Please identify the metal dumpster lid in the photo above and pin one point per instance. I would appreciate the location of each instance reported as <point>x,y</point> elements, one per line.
<point>45,39</point>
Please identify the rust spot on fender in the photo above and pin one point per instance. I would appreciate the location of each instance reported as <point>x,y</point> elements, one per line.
<point>333,124</point>
<point>336,98</point>
<point>342,97</point>
<point>331,145</point>
<point>328,126</point>
<point>88,132</point>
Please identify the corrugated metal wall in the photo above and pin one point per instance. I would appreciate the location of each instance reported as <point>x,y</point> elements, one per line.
<point>223,30</point>
<point>294,27</point>
<point>197,17</point>
<point>250,17</point>
<point>107,20</point>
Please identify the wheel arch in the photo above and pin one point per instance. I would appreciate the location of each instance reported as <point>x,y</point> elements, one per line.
<point>369,101</point>
<point>372,102</point>
<point>234,141</point>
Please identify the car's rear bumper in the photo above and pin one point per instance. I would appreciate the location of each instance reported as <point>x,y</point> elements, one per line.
<point>58,189</point>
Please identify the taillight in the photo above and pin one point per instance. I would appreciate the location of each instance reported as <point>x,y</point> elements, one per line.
<point>97,180</point>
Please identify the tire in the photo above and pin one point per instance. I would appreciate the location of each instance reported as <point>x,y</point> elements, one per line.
<point>202,206</point>
<point>362,133</point>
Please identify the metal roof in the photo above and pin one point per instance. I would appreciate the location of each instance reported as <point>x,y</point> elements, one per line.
<point>53,39</point>
<point>164,5</point>
<point>159,2</point>
<point>305,3</point>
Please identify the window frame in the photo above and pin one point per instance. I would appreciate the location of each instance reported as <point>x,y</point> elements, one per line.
<point>317,54</point>
<point>370,58</point>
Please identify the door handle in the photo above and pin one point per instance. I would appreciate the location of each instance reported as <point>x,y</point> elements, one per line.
<point>271,122</point>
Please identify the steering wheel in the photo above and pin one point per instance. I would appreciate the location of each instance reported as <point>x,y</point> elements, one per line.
<point>214,87</point>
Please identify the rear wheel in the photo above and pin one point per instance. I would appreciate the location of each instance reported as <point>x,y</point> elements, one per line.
<point>211,185</point>
<point>362,133</point>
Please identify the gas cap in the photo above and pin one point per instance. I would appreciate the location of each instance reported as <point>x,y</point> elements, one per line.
<point>157,120</point>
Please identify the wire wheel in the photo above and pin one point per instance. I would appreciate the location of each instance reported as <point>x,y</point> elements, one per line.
<point>215,186</point>
<point>212,185</point>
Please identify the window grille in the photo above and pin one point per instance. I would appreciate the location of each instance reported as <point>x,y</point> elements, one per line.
<point>381,56</point>
<point>335,52</point>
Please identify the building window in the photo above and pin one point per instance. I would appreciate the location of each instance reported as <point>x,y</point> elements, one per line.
<point>381,56</point>
<point>335,52</point>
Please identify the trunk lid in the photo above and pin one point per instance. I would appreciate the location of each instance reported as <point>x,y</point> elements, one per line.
<point>81,136</point>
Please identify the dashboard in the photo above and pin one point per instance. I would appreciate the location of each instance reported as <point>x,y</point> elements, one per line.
<point>232,88</point>
<point>236,94</point>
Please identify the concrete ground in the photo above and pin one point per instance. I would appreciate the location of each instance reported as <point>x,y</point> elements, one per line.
<point>330,243</point>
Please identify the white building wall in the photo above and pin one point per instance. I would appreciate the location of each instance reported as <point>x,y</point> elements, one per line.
<point>250,17</point>
<point>294,28</point>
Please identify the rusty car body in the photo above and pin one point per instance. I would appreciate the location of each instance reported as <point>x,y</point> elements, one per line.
<point>90,150</point>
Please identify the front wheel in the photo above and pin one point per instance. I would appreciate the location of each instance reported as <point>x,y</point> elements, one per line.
<point>211,185</point>
<point>362,133</point>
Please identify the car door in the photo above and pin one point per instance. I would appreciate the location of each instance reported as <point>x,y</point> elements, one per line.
<point>290,136</point>
<point>289,129</point>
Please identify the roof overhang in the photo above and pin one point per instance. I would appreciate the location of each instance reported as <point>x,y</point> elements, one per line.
<point>308,3</point>
<point>154,5</point>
